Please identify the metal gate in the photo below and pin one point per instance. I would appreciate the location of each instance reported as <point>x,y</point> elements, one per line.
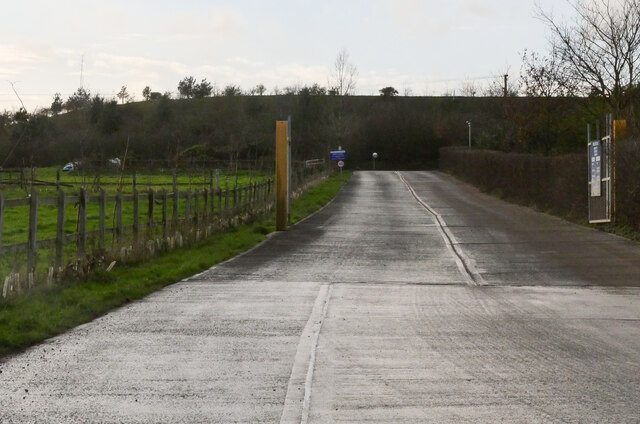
<point>601,156</point>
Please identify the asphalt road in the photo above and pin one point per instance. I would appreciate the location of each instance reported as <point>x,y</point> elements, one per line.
<point>410,298</point>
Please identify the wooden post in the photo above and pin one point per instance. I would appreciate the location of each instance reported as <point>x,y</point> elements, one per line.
<point>165,222</point>
<point>196,206</point>
<point>58,179</point>
<point>254,198</point>
<point>1,220</point>
<point>205,204</point>
<point>102,227</point>
<point>136,213</point>
<point>60,230</point>
<point>176,203</point>
<point>119,225</point>
<point>33,231</point>
<point>187,208</point>
<point>282,175</point>
<point>82,224</point>
<point>226,199</point>
<point>151,205</point>
<point>235,199</point>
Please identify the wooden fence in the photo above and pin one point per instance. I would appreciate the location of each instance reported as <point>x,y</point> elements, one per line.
<point>159,220</point>
<point>93,229</point>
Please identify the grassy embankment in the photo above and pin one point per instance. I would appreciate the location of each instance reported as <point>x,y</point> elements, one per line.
<point>46,312</point>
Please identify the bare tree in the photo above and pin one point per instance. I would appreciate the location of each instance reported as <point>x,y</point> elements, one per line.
<point>546,76</point>
<point>502,86</point>
<point>469,88</point>
<point>601,47</point>
<point>344,75</point>
<point>122,94</point>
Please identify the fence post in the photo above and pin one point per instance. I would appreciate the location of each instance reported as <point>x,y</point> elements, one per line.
<point>226,200</point>
<point>1,220</point>
<point>136,213</point>
<point>165,224</point>
<point>205,204</point>
<point>119,226</point>
<point>33,231</point>
<point>82,224</point>
<point>235,199</point>
<point>103,208</point>
<point>60,230</point>
<point>187,208</point>
<point>196,199</point>
<point>152,201</point>
<point>176,203</point>
<point>58,179</point>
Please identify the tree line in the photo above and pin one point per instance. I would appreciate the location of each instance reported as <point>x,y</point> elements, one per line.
<point>590,69</point>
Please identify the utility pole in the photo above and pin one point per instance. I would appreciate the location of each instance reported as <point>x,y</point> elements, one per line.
<point>506,91</point>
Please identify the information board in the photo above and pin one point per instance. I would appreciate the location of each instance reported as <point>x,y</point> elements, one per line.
<point>595,167</point>
<point>338,155</point>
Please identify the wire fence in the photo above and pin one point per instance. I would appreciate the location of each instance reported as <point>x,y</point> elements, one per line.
<point>80,230</point>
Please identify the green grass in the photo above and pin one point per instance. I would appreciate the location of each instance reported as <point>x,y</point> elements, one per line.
<point>109,180</point>
<point>48,311</point>
<point>15,226</point>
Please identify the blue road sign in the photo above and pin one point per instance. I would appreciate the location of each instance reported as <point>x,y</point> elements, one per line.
<point>337,155</point>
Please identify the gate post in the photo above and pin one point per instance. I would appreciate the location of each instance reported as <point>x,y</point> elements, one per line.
<point>282,174</point>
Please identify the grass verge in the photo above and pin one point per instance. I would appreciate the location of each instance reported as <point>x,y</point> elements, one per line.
<point>48,311</point>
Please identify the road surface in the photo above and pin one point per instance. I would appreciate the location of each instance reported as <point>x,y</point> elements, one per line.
<point>410,298</point>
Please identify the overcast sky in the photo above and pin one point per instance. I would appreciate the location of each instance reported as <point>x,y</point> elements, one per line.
<point>425,47</point>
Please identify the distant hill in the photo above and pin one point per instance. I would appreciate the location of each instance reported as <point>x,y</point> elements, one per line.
<point>406,132</point>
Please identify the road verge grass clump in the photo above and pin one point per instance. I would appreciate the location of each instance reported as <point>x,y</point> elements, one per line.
<point>50,310</point>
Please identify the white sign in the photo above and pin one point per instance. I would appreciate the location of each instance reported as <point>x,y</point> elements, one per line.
<point>595,166</point>
<point>340,163</point>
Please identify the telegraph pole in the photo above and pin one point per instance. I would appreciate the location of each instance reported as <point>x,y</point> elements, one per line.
<point>506,91</point>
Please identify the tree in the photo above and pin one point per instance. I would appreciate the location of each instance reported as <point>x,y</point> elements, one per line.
<point>95,109</point>
<point>57,105</point>
<point>600,48</point>
<point>388,92</point>
<point>344,75</point>
<point>146,93</point>
<point>469,89</point>
<point>203,89</point>
<point>122,94</point>
<point>186,87</point>
<point>78,100</point>
<point>232,90</point>
<point>259,89</point>
<point>545,76</point>
<point>110,119</point>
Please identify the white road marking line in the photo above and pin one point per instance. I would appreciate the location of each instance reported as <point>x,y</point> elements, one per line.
<point>299,390</point>
<point>466,267</point>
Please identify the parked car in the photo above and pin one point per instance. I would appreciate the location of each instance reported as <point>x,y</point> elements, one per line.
<point>69,167</point>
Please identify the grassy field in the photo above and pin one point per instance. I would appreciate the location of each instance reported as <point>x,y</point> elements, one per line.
<point>111,181</point>
<point>48,311</point>
<point>15,226</point>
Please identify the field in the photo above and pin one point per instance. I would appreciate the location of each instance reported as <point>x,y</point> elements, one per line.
<point>202,193</point>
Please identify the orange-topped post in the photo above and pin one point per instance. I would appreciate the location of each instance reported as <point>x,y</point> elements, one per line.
<point>282,175</point>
